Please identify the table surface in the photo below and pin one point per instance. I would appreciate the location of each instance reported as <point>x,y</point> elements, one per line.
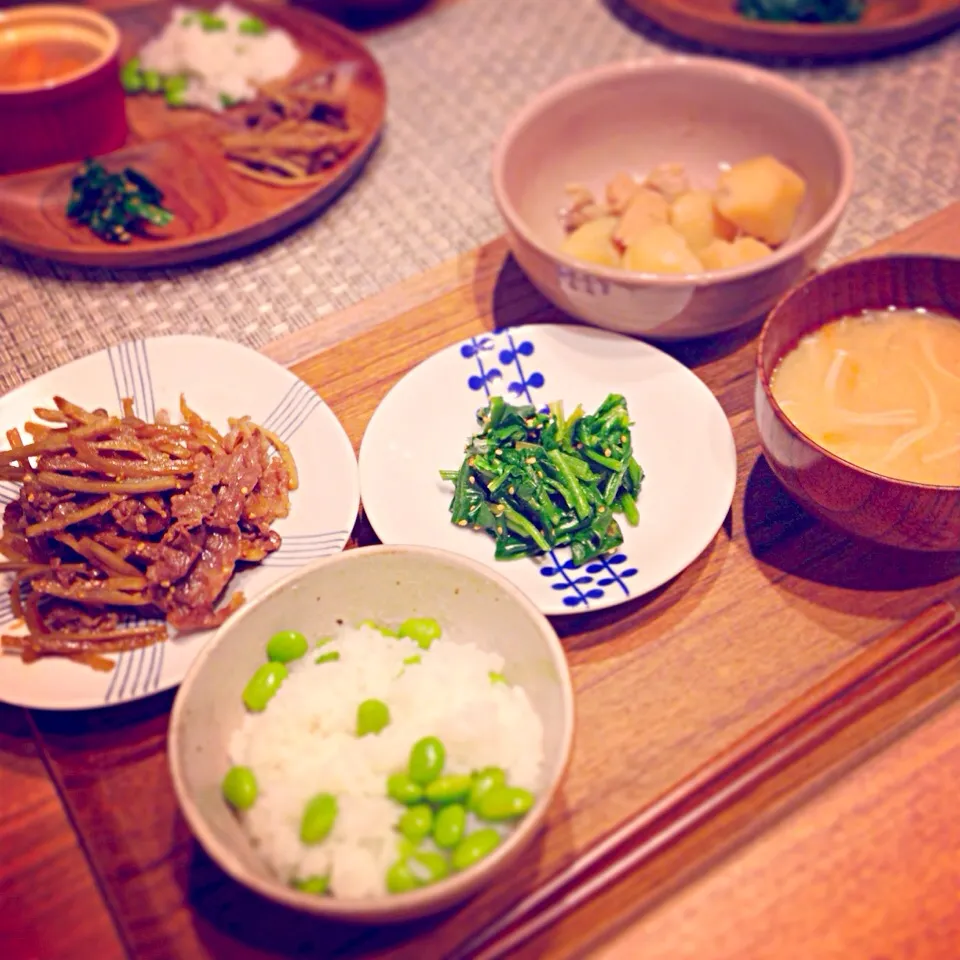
<point>854,855</point>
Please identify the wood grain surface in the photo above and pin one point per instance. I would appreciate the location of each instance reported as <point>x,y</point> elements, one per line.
<point>662,684</point>
<point>49,902</point>
<point>884,26</point>
<point>216,210</point>
<point>869,869</point>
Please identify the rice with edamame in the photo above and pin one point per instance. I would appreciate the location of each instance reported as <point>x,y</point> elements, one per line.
<point>224,54</point>
<point>303,749</point>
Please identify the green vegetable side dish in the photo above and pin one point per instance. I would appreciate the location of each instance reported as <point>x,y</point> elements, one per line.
<point>115,205</point>
<point>534,481</point>
<point>802,11</point>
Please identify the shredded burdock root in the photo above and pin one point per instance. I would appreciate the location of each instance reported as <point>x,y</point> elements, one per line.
<point>291,134</point>
<point>118,517</point>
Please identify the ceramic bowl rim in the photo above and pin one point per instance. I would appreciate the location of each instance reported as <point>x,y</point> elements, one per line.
<point>747,74</point>
<point>54,11</point>
<point>406,905</point>
<point>763,378</point>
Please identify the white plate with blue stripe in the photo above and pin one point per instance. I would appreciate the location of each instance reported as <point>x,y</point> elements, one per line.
<point>681,438</point>
<point>219,379</point>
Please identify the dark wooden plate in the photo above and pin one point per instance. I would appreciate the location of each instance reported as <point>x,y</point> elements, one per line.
<point>217,210</point>
<point>885,25</point>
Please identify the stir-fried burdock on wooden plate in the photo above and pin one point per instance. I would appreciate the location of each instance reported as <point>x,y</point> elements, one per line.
<point>119,519</point>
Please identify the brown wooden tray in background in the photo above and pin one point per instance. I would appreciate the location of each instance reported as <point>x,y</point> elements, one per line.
<point>886,25</point>
<point>216,210</point>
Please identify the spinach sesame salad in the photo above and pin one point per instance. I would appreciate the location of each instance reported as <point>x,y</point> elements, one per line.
<point>539,479</point>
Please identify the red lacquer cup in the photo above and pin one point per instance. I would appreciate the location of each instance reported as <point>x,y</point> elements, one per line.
<point>71,116</point>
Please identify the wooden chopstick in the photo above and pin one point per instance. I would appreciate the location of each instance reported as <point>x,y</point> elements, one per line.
<point>887,667</point>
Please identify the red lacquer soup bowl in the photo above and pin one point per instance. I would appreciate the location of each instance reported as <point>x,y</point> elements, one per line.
<point>899,513</point>
<point>60,92</point>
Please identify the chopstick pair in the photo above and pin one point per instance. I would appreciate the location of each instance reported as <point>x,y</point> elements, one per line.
<point>889,666</point>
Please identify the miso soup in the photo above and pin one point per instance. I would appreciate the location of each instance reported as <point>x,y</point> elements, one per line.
<point>881,390</point>
<point>39,61</point>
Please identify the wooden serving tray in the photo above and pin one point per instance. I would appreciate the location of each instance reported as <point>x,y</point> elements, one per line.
<point>885,25</point>
<point>216,210</point>
<point>663,684</point>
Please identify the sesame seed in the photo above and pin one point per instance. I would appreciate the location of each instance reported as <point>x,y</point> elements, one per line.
<point>461,523</point>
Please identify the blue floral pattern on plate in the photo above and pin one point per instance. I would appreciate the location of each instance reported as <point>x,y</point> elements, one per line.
<point>490,353</point>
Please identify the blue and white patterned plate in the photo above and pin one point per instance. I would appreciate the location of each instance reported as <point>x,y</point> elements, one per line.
<point>219,380</point>
<point>681,438</point>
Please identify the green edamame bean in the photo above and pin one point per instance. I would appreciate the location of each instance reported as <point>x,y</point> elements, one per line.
<point>421,630</point>
<point>452,788</point>
<point>386,631</point>
<point>404,790</point>
<point>372,716</point>
<point>330,657</point>
<point>474,847</point>
<point>253,26</point>
<point>264,683</point>
<point>497,677</point>
<point>152,81</point>
<point>416,822</point>
<point>434,866</point>
<point>448,825</point>
<point>239,788</point>
<point>131,79</point>
<point>426,760</point>
<point>319,815</point>
<point>400,878</point>
<point>482,782</point>
<point>286,645</point>
<point>503,803</point>
<point>406,848</point>
<point>314,884</point>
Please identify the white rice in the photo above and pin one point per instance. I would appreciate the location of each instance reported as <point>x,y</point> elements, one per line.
<point>220,62</point>
<point>305,743</point>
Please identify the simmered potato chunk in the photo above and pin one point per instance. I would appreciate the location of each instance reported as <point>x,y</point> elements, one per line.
<point>645,210</point>
<point>694,215</point>
<point>593,242</point>
<point>761,196</point>
<point>661,249</point>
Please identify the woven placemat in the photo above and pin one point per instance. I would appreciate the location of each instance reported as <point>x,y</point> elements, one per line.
<point>455,76</point>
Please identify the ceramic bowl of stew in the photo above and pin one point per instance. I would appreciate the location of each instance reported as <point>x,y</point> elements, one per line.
<point>59,86</point>
<point>904,489</point>
<point>699,113</point>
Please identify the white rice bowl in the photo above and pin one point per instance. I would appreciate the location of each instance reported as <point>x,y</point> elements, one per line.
<point>219,63</point>
<point>305,743</point>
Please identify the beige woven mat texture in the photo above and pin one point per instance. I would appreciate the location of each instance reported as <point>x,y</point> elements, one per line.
<point>454,77</point>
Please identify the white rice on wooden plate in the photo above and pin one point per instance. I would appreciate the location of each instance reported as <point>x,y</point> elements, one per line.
<point>305,743</point>
<point>220,63</point>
